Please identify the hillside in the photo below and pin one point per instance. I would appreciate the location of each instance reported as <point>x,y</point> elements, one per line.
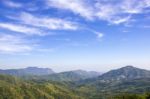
<point>125,73</point>
<point>49,74</point>
<point>12,87</point>
<point>127,81</point>
<point>75,75</point>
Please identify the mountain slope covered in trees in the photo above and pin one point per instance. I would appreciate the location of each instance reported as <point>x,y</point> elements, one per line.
<point>75,75</point>
<point>12,87</point>
<point>124,83</point>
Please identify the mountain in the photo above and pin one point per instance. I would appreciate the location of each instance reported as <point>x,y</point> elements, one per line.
<point>75,75</point>
<point>117,78</point>
<point>48,74</point>
<point>100,90</point>
<point>127,81</point>
<point>124,73</point>
<point>27,71</point>
<point>15,88</point>
<point>12,87</point>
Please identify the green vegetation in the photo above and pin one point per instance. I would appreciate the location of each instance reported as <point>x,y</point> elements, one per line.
<point>116,84</point>
<point>13,88</point>
<point>132,96</point>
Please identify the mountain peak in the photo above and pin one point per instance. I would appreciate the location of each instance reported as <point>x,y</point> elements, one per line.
<point>129,67</point>
<point>36,68</point>
<point>32,67</point>
<point>127,72</point>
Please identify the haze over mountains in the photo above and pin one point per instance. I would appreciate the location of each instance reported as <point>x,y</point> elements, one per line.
<point>127,72</point>
<point>28,71</point>
<point>47,73</point>
<point>75,75</point>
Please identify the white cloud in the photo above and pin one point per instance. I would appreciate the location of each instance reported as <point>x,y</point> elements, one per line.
<point>46,22</point>
<point>120,20</point>
<point>10,44</point>
<point>99,35</point>
<point>21,29</point>
<point>110,13</point>
<point>107,10</point>
<point>134,6</point>
<point>15,44</point>
<point>9,3</point>
<point>76,6</point>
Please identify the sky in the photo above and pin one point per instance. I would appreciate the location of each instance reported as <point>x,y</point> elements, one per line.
<point>94,35</point>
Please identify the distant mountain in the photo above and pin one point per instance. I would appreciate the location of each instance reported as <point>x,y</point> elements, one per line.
<point>27,71</point>
<point>128,72</point>
<point>75,75</point>
<point>124,73</point>
<point>119,75</point>
<point>127,79</point>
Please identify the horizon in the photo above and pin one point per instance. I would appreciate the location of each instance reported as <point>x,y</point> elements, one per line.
<point>69,35</point>
<point>56,71</point>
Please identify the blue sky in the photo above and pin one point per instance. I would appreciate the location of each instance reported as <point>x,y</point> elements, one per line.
<point>74,34</point>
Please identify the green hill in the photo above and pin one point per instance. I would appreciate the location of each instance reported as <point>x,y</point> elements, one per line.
<point>75,75</point>
<point>11,87</point>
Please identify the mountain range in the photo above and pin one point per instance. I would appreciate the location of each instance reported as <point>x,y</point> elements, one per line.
<point>124,73</point>
<point>27,71</point>
<point>75,75</point>
<point>77,84</point>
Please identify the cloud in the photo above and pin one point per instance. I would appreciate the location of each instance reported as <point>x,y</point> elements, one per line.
<point>134,6</point>
<point>10,44</point>
<point>110,13</point>
<point>9,3</point>
<point>103,9</point>
<point>76,6</point>
<point>123,10</point>
<point>21,29</point>
<point>99,35</point>
<point>45,22</point>
<point>120,20</point>
<point>16,44</point>
<point>29,24</point>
